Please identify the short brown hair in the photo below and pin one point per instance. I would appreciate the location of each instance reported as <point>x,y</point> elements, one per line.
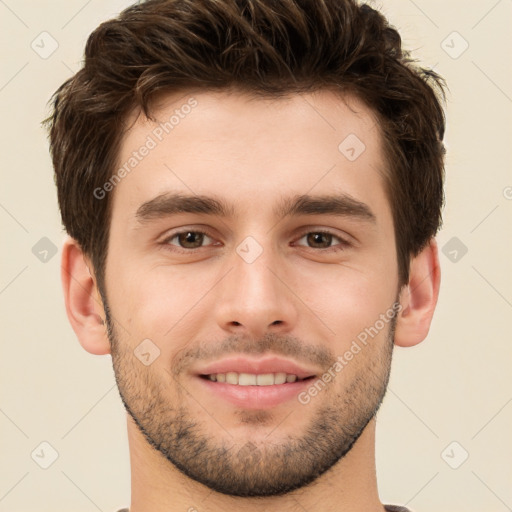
<point>263,47</point>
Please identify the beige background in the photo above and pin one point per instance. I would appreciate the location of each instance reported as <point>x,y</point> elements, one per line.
<point>456,386</point>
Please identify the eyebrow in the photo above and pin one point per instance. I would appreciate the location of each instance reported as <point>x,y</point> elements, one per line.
<point>169,204</point>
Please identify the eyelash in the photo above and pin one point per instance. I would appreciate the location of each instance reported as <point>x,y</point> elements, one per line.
<point>343,244</point>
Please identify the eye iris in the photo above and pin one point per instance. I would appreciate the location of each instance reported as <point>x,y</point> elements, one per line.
<point>316,238</point>
<point>191,239</point>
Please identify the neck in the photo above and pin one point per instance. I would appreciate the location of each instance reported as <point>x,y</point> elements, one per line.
<point>157,486</point>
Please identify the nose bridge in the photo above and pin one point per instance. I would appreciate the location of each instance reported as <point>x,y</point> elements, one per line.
<point>252,297</point>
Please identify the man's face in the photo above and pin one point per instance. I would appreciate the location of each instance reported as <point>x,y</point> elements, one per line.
<point>285,281</point>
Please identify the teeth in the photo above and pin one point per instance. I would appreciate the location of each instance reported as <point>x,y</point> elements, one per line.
<point>265,379</point>
<point>247,379</point>
<point>279,378</point>
<point>251,379</point>
<point>232,378</point>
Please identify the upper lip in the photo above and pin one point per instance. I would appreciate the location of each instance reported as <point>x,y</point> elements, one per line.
<point>242,364</point>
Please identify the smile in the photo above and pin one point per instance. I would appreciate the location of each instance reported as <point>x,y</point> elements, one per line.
<point>252,379</point>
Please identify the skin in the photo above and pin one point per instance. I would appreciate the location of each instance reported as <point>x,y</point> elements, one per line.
<point>299,298</point>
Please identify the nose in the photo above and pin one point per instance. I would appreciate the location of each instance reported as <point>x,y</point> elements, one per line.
<point>256,297</point>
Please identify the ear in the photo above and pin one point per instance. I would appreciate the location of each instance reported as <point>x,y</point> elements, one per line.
<point>419,297</point>
<point>83,301</point>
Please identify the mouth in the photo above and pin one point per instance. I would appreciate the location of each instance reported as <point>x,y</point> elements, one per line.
<point>255,384</point>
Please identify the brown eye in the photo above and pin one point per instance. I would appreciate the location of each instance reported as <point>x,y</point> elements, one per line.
<point>189,239</point>
<point>319,240</point>
<point>323,240</point>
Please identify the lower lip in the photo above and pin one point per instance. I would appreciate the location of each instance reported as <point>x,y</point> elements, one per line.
<point>256,397</point>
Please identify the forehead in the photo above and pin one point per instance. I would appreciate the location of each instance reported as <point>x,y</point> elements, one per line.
<point>250,149</point>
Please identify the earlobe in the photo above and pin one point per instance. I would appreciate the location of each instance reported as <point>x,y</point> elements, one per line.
<point>419,297</point>
<point>83,302</point>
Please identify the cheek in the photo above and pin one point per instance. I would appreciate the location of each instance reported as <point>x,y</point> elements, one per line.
<point>350,296</point>
<point>353,306</point>
<point>158,302</point>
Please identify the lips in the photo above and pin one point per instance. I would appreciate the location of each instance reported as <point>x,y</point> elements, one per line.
<point>254,383</point>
